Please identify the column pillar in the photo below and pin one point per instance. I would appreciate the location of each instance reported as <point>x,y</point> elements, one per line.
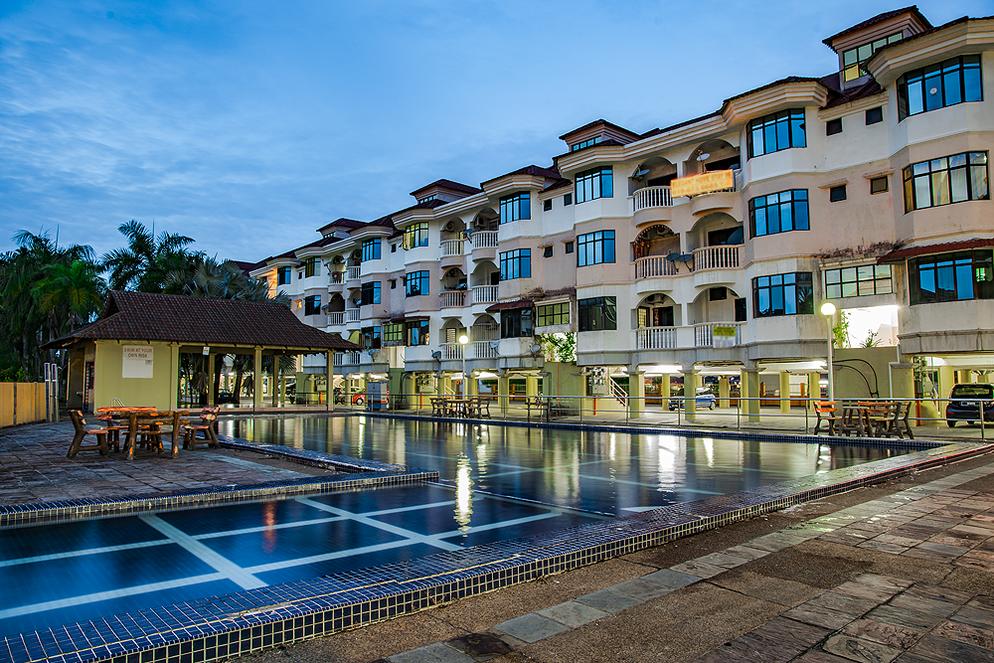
<point>814,385</point>
<point>690,383</point>
<point>211,391</point>
<point>750,389</point>
<point>531,386</point>
<point>636,394</point>
<point>173,376</point>
<point>503,391</point>
<point>723,391</point>
<point>784,392</point>
<point>274,383</point>
<point>664,390</point>
<point>257,378</point>
<point>329,371</point>
<point>472,384</point>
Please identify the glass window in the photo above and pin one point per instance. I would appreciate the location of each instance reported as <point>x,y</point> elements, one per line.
<point>597,314</point>
<point>858,281</point>
<point>552,314</point>
<point>283,275</point>
<point>416,283</point>
<point>779,131</point>
<point>312,305</point>
<point>371,249</point>
<point>547,205</point>
<point>567,199</point>
<point>590,142</point>
<point>837,193</point>
<point>393,333</point>
<point>779,212</point>
<point>516,323</point>
<point>879,184</point>
<point>952,277</point>
<point>952,179</point>
<point>568,248</point>
<point>311,267</point>
<point>370,293</point>
<point>516,264</point>
<point>874,115</point>
<point>595,248</point>
<point>515,207</point>
<point>417,332</point>
<point>416,235</point>
<point>782,294</point>
<point>833,127</point>
<point>594,184</point>
<point>854,59</point>
<point>372,337</point>
<point>948,83</point>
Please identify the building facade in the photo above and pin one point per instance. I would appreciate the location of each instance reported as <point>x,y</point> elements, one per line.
<point>701,253</point>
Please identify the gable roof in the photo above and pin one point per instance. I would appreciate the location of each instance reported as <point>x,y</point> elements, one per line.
<point>448,185</point>
<point>873,20</point>
<point>143,316</point>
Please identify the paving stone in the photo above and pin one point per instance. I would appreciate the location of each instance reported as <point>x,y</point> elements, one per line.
<point>697,568</point>
<point>977,559</point>
<point>874,587</point>
<point>850,605</point>
<point>480,646</point>
<point>746,552</point>
<point>860,650</point>
<point>672,579</point>
<point>438,652</point>
<point>874,544</point>
<point>980,637</point>
<point>642,589</point>
<point>531,627</point>
<point>892,635</point>
<point>904,617</point>
<point>943,549</point>
<point>943,649</point>
<point>724,560</point>
<point>819,616</point>
<point>608,601</point>
<point>573,613</point>
<point>975,616</point>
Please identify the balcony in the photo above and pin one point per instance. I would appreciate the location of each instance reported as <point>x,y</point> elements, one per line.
<point>451,352</point>
<point>336,318</point>
<point>452,248</point>
<point>347,358</point>
<point>651,267</point>
<point>716,264</point>
<point>655,338</point>
<point>484,244</point>
<point>352,273</point>
<point>718,200</point>
<point>482,350</point>
<point>652,203</point>
<point>351,315</point>
<point>484,294</point>
<point>335,281</point>
<point>452,298</point>
<point>718,334</point>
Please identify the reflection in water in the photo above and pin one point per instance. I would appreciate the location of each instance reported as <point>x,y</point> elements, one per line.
<point>464,493</point>
<point>606,472</point>
<point>269,520</point>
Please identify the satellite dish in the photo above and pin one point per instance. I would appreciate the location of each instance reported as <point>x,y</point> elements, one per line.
<point>437,354</point>
<point>494,345</point>
<point>535,348</point>
<point>703,156</point>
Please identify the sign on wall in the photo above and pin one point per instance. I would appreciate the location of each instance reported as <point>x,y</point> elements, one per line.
<point>695,185</point>
<point>723,336</point>
<point>136,361</point>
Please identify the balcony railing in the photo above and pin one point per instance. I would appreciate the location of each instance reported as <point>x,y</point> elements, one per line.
<point>451,351</point>
<point>484,294</point>
<point>717,334</point>
<point>452,248</point>
<point>483,350</point>
<point>717,257</point>
<point>352,272</point>
<point>337,277</point>
<point>484,239</point>
<point>351,315</point>
<point>336,318</point>
<point>651,196</point>
<point>452,298</point>
<point>347,358</point>
<point>655,338</point>
<point>653,266</point>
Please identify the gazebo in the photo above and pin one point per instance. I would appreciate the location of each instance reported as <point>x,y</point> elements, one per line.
<point>131,355</point>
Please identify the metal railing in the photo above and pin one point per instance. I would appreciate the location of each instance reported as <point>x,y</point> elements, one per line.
<point>482,350</point>
<point>451,351</point>
<point>651,196</point>
<point>484,239</point>
<point>353,272</point>
<point>351,315</point>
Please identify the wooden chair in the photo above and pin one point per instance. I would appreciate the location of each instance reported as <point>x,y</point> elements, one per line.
<point>437,407</point>
<point>827,414</point>
<point>208,420</point>
<point>483,407</point>
<point>102,436</point>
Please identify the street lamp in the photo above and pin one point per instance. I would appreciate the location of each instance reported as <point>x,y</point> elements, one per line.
<point>828,310</point>
<point>464,341</point>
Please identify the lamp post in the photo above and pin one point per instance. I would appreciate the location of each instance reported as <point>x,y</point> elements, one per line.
<point>463,342</point>
<point>828,310</point>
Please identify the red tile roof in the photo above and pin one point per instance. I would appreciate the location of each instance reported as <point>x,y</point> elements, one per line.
<point>902,254</point>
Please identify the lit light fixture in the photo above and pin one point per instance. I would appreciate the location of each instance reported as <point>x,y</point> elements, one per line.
<point>463,339</point>
<point>828,309</point>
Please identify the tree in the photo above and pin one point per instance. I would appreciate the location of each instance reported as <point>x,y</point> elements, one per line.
<point>148,263</point>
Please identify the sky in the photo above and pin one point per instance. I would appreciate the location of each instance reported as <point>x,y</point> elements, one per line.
<point>249,124</point>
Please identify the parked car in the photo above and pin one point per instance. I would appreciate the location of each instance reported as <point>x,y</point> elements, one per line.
<point>705,401</point>
<point>965,403</point>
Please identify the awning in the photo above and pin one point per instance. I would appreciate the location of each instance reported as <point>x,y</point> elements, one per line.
<point>902,254</point>
<point>510,306</point>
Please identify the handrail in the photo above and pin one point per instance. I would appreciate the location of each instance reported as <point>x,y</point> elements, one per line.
<point>484,239</point>
<point>717,257</point>
<point>650,197</point>
<point>484,294</point>
<point>653,266</point>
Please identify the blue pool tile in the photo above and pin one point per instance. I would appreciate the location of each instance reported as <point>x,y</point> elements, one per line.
<point>241,516</point>
<point>34,540</point>
<point>389,556</point>
<point>476,510</point>
<point>387,498</point>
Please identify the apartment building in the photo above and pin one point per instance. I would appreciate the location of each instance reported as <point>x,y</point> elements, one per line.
<point>700,252</point>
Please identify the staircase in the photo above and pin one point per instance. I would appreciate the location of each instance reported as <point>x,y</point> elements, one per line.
<point>618,393</point>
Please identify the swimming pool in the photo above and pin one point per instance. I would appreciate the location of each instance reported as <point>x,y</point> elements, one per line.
<point>497,483</point>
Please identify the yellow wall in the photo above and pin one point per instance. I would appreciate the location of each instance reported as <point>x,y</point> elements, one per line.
<point>109,388</point>
<point>25,406</point>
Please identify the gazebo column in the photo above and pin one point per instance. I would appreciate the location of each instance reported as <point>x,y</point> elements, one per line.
<point>211,390</point>
<point>173,376</point>
<point>329,395</point>
<point>275,382</point>
<point>257,378</point>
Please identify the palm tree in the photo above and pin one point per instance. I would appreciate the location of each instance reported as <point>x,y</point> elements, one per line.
<point>70,293</point>
<point>148,262</point>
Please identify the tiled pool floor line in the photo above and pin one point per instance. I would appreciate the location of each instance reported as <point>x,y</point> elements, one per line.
<point>262,602</point>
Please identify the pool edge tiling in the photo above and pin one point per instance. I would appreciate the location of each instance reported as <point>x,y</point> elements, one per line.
<point>234,624</point>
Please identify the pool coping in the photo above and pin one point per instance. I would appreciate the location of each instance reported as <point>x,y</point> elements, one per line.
<point>219,627</point>
<point>357,474</point>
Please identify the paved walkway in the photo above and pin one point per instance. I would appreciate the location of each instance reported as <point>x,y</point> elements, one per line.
<point>881,574</point>
<point>33,466</point>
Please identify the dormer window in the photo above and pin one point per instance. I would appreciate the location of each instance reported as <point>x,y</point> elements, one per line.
<point>427,199</point>
<point>854,59</point>
<point>590,142</point>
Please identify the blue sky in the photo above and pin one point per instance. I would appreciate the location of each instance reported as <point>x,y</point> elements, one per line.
<point>248,124</point>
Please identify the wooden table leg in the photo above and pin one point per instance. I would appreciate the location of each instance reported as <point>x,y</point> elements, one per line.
<point>132,434</point>
<point>174,451</point>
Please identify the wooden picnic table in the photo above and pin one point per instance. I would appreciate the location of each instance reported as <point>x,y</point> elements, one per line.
<point>152,419</point>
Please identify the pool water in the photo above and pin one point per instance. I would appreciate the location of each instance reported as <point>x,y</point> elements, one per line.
<point>497,483</point>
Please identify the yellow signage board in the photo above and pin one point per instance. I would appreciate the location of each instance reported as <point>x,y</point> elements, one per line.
<point>695,185</point>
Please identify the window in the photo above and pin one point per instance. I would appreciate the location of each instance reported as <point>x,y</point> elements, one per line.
<point>779,131</point>
<point>417,332</point>
<point>547,252</point>
<point>393,248</point>
<point>312,305</point>
<point>393,333</point>
<point>416,235</point>
<point>598,314</point>
<point>594,184</point>
<point>516,264</point>
<point>372,337</point>
<point>416,283</point>
<point>740,309</point>
<point>547,315</point>
<point>779,212</point>
<point>311,267</point>
<point>516,323</point>
<point>569,248</point>
<point>833,127</point>
<point>947,180</point>
<point>547,205</point>
<point>567,199</point>
<point>945,84</point>
<point>879,184</point>
<point>370,293</point>
<point>717,294</point>
<point>393,284</point>
<point>370,249</point>
<point>654,315</point>
<point>837,194</point>
<point>590,142</point>
<point>427,199</point>
<point>515,207</point>
<point>595,248</point>
<point>874,115</point>
<point>952,277</point>
<point>782,294</point>
<point>283,275</point>
<point>858,281</point>
<point>854,59</point>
